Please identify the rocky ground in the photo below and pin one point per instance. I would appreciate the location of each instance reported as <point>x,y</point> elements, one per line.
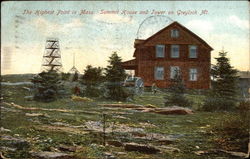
<point>105,129</point>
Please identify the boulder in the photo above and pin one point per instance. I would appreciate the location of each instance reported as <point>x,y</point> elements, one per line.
<point>36,114</point>
<point>115,143</point>
<point>173,111</point>
<point>67,148</point>
<point>141,148</point>
<point>4,130</point>
<point>50,155</point>
<point>122,105</point>
<point>169,149</point>
<point>29,98</point>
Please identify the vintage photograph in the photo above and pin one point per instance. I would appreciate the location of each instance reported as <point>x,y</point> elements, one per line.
<point>125,80</point>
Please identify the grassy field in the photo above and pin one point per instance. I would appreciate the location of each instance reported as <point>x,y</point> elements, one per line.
<point>79,125</point>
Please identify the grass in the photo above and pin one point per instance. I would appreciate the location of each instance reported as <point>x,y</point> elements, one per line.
<point>191,132</point>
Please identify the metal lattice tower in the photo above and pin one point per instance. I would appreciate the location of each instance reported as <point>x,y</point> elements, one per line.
<point>73,69</point>
<point>52,56</point>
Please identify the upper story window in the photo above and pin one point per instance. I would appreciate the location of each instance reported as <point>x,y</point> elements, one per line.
<point>159,73</point>
<point>175,53</point>
<point>193,74</point>
<point>192,51</point>
<point>174,33</point>
<point>160,50</point>
<point>174,71</point>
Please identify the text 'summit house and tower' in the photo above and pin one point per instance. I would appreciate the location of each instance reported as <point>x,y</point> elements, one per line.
<point>173,48</point>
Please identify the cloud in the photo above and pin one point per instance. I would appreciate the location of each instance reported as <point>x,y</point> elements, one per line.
<point>201,26</point>
<point>243,24</point>
<point>114,18</point>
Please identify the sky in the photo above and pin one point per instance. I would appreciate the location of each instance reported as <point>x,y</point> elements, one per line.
<point>94,30</point>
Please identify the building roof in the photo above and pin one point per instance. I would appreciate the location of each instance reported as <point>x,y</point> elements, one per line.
<point>141,41</point>
<point>244,74</point>
<point>130,64</point>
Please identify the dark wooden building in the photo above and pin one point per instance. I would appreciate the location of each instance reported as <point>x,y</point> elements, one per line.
<point>171,50</point>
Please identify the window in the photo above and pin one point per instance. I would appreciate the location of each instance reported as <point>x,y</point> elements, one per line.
<point>160,50</point>
<point>193,74</point>
<point>159,73</point>
<point>174,33</point>
<point>174,71</point>
<point>192,51</point>
<point>175,51</point>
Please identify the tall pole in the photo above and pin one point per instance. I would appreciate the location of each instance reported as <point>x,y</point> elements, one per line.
<point>74,59</point>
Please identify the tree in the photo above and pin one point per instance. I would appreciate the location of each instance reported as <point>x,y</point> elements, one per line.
<point>75,76</point>
<point>46,86</point>
<point>91,78</point>
<point>223,95</point>
<point>65,76</point>
<point>177,90</point>
<point>115,74</point>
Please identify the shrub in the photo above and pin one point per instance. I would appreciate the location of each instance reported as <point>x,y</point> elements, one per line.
<point>46,86</point>
<point>218,104</point>
<point>177,90</point>
<point>233,130</point>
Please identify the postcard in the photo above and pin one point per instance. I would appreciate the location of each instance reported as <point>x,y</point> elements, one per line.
<point>125,79</point>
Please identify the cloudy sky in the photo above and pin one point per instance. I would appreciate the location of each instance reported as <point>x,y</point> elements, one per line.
<point>94,36</point>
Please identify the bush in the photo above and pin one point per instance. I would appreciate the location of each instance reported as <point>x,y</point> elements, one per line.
<point>218,104</point>
<point>117,92</point>
<point>177,92</point>
<point>92,92</point>
<point>177,100</point>
<point>233,130</point>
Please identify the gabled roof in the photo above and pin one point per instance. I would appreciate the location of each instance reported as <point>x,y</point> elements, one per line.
<point>184,28</point>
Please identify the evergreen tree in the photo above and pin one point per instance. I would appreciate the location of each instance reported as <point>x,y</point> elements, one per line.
<point>75,76</point>
<point>115,74</point>
<point>224,91</point>
<point>92,77</point>
<point>177,90</point>
<point>46,86</point>
<point>65,76</point>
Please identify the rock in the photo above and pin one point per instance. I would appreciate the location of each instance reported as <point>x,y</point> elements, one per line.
<point>200,152</point>
<point>138,134</point>
<point>231,153</point>
<point>150,106</point>
<point>18,143</point>
<point>67,148</point>
<point>119,117</point>
<point>148,110</point>
<point>50,155</point>
<point>2,156</point>
<point>115,143</point>
<point>165,142</point>
<point>108,155</point>
<point>169,149</point>
<point>3,148</point>
<point>236,154</point>
<point>122,105</point>
<point>36,114</point>
<point>120,153</point>
<point>26,88</point>
<point>173,111</point>
<point>29,98</point>
<point>81,99</point>
<point>4,130</point>
<point>159,138</point>
<point>141,148</point>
